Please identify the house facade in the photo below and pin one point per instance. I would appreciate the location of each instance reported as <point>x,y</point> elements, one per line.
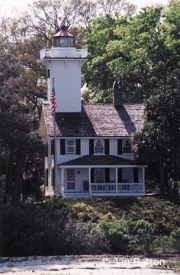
<point>88,146</point>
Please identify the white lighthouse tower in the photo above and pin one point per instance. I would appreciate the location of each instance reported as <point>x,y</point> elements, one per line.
<point>63,62</point>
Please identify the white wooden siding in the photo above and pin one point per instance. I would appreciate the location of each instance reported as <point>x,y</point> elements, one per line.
<point>67,83</point>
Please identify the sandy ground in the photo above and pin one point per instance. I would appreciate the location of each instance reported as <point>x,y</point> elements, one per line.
<point>85,265</point>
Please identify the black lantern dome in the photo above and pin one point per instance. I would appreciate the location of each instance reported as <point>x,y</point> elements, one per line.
<point>63,39</point>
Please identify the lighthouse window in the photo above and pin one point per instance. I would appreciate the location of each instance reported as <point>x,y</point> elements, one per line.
<point>55,41</point>
<point>63,42</point>
<point>70,42</point>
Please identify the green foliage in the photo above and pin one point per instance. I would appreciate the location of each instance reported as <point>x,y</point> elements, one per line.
<point>96,72</point>
<point>116,233</point>
<point>94,96</point>
<point>85,212</point>
<point>141,50</point>
<point>162,244</point>
<point>46,229</point>
<point>145,234</point>
<point>90,226</point>
<point>158,142</point>
<point>175,236</point>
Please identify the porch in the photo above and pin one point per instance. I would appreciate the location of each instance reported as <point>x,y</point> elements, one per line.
<point>101,181</point>
<point>106,175</point>
<point>109,190</point>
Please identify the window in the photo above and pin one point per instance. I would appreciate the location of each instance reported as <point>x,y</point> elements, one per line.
<point>127,147</point>
<point>70,146</point>
<point>99,146</point>
<point>52,177</point>
<point>70,179</point>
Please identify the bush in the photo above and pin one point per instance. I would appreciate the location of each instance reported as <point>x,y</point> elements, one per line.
<point>145,234</point>
<point>47,229</point>
<point>175,236</point>
<point>116,233</point>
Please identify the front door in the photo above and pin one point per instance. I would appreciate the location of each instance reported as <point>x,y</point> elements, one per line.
<point>71,180</point>
<point>99,175</point>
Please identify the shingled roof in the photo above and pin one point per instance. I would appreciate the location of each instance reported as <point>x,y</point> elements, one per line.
<point>98,160</point>
<point>96,120</point>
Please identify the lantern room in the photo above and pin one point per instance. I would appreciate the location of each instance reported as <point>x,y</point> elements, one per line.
<point>63,39</point>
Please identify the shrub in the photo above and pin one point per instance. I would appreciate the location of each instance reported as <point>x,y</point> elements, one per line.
<point>85,212</point>
<point>116,233</point>
<point>47,229</point>
<point>175,236</point>
<point>145,234</point>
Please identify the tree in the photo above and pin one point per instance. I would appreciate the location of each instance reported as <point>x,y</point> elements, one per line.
<point>125,48</point>
<point>18,138</point>
<point>159,141</point>
<point>95,71</point>
<point>141,50</point>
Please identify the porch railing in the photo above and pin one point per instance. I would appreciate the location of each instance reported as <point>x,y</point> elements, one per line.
<point>116,188</point>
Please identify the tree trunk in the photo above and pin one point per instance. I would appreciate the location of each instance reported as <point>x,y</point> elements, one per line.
<point>9,176</point>
<point>161,174</point>
<point>18,180</point>
<point>2,189</point>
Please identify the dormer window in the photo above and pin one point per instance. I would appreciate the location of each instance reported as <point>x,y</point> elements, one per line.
<point>127,147</point>
<point>99,146</point>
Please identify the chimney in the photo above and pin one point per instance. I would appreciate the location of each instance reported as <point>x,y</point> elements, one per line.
<point>117,94</point>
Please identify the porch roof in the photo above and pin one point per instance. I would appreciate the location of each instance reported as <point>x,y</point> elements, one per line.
<point>96,120</point>
<point>93,160</point>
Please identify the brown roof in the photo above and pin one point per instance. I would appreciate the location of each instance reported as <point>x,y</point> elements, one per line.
<point>63,32</point>
<point>96,120</point>
<point>98,160</point>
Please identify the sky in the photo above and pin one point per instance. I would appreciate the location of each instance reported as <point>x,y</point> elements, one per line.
<point>11,6</point>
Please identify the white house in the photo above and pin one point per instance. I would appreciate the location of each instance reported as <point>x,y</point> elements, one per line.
<point>91,152</point>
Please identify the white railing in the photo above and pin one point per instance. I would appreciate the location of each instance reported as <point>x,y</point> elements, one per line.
<point>117,188</point>
<point>103,187</point>
<point>63,53</point>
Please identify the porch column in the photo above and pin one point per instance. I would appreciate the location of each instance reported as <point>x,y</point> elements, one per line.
<point>90,189</point>
<point>143,179</point>
<point>116,169</point>
<point>62,181</point>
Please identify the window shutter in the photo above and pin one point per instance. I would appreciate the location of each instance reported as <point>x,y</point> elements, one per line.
<point>136,177</point>
<point>46,150</point>
<point>106,146</point>
<point>120,175</point>
<point>52,177</point>
<point>91,146</point>
<point>78,146</point>
<point>52,147</point>
<point>107,175</point>
<point>119,146</point>
<point>62,146</point>
<point>48,73</point>
<point>92,175</point>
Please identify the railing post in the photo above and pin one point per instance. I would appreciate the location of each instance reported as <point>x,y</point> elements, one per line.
<point>62,181</point>
<point>143,177</point>
<point>116,169</point>
<point>90,189</point>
